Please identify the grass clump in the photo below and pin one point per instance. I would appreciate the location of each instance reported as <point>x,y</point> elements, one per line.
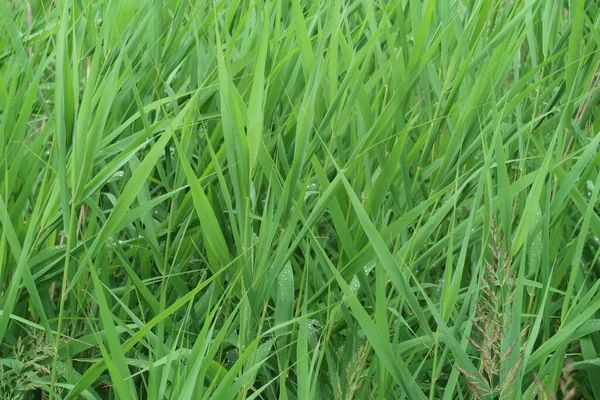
<point>309,199</point>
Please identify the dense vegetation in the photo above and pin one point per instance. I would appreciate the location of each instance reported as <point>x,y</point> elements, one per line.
<point>335,199</point>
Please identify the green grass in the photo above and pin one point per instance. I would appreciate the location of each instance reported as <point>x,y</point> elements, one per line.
<point>243,199</point>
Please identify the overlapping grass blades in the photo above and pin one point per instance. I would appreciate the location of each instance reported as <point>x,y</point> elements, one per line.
<point>296,200</point>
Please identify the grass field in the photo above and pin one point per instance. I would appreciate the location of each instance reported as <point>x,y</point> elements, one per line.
<point>334,199</point>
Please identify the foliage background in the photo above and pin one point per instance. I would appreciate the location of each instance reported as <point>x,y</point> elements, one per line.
<point>346,199</point>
